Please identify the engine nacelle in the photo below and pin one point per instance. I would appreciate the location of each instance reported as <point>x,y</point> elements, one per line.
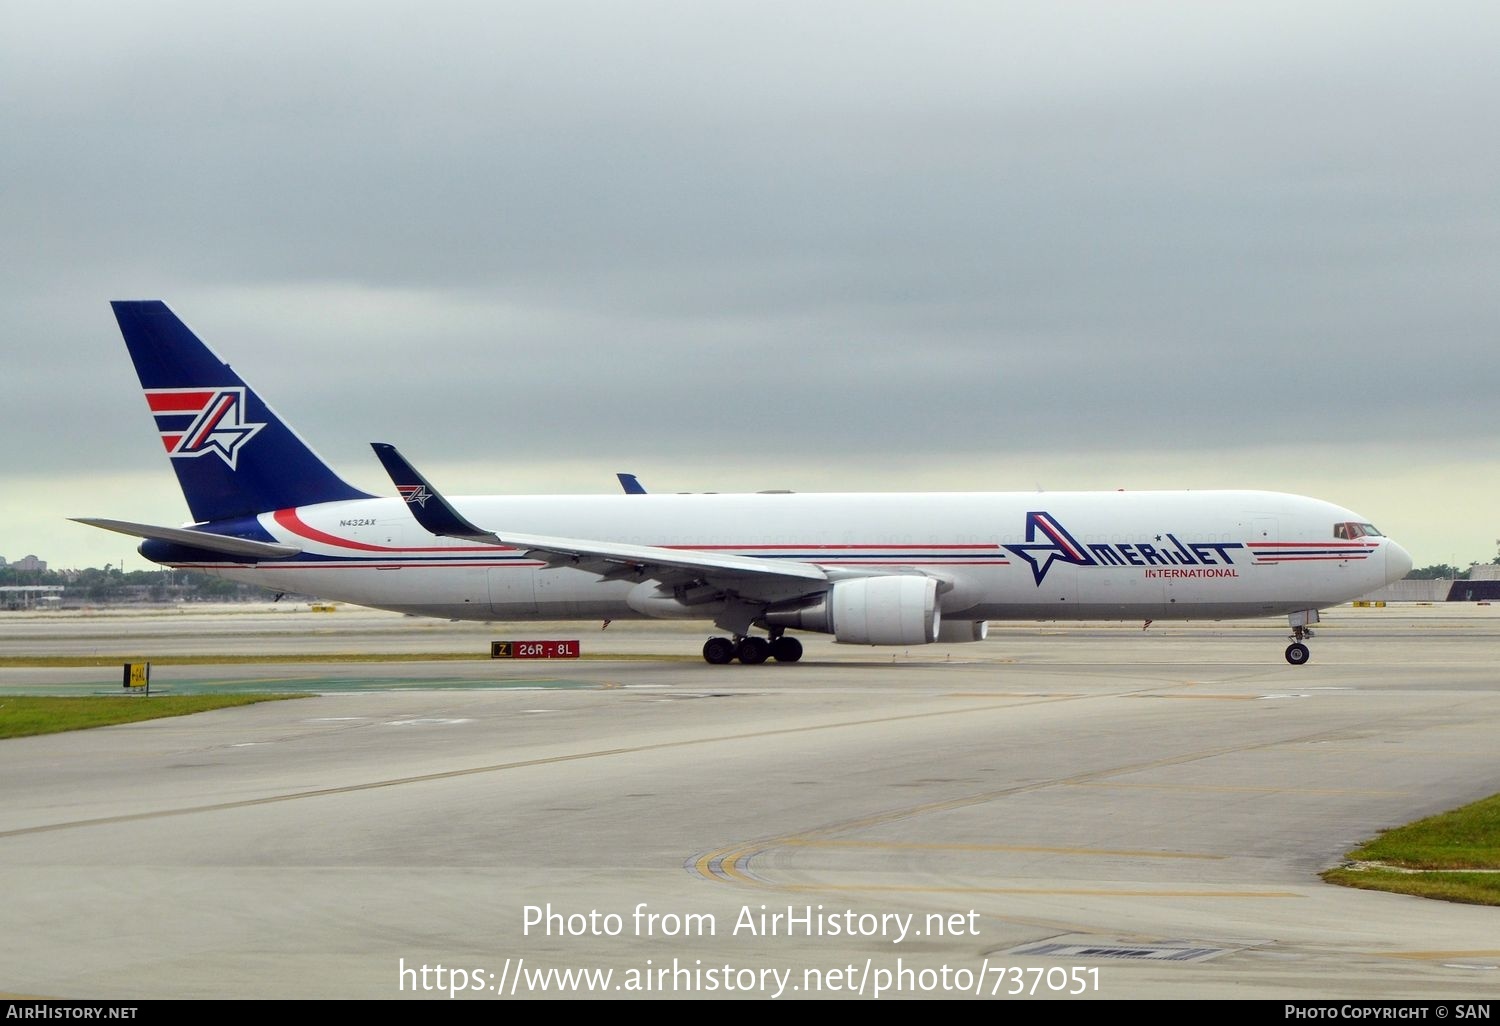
<point>953,631</point>
<point>870,611</point>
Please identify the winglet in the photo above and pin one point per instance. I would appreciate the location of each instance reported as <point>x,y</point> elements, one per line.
<point>631,485</point>
<point>425,502</point>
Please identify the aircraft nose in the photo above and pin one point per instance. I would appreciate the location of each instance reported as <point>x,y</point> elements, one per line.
<point>1397,562</point>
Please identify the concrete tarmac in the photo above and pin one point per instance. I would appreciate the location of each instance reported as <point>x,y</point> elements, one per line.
<point>1063,810</point>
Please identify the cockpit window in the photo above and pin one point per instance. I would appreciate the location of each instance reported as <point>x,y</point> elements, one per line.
<point>1351,530</point>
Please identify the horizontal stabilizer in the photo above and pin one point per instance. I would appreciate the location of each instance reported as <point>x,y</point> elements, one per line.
<point>197,539</point>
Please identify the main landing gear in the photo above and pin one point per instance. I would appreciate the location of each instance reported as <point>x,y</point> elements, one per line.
<point>1298,653</point>
<point>752,650</point>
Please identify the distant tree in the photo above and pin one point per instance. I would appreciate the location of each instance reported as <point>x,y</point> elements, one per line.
<point>10,575</point>
<point>205,587</point>
<point>99,585</point>
<point>1438,572</point>
<point>111,585</point>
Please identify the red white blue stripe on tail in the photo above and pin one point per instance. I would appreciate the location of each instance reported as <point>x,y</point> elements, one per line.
<point>255,463</point>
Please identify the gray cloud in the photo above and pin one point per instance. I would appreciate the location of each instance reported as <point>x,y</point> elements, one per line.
<point>700,232</point>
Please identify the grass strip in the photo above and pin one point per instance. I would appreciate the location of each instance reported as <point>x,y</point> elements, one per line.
<point>26,716</point>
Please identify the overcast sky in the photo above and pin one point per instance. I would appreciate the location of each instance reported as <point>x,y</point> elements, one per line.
<point>864,245</point>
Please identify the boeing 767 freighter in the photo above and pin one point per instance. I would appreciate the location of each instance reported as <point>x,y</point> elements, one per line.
<point>884,568</point>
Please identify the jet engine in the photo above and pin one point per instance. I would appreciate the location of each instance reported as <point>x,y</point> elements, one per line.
<point>894,610</point>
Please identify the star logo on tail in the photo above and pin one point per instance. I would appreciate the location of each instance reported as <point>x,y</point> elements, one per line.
<point>201,421</point>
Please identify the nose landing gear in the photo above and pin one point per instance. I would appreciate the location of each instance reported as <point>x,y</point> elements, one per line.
<point>1297,653</point>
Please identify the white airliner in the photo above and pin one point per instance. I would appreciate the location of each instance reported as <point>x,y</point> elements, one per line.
<point>869,569</point>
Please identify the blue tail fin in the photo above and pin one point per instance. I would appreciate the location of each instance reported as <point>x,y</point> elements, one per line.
<point>233,456</point>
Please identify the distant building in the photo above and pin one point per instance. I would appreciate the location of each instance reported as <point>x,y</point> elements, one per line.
<point>29,596</point>
<point>28,563</point>
<point>1482,585</point>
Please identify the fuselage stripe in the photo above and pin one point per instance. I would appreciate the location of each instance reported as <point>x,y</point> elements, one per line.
<point>292,521</point>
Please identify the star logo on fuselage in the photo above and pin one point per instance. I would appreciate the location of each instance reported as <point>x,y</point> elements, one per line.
<point>1060,547</point>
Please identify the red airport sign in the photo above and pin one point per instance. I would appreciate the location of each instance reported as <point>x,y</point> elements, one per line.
<point>534,649</point>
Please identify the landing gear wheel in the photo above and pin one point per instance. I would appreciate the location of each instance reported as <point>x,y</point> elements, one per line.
<point>718,651</point>
<point>1297,653</point>
<point>753,651</point>
<point>786,650</point>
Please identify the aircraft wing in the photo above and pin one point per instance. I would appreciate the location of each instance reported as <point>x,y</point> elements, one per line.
<point>622,560</point>
<point>611,559</point>
<point>197,539</point>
